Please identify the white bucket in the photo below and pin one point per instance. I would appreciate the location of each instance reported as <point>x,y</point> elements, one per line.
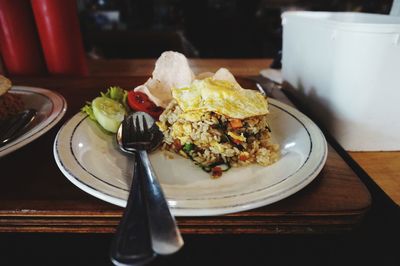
<point>347,67</point>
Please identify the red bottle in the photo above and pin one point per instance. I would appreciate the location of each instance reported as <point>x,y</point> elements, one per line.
<point>60,35</point>
<point>19,42</point>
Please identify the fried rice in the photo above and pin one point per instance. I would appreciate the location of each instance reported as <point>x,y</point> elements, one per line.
<point>216,142</point>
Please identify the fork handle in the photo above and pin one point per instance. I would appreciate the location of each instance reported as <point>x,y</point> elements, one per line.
<point>131,244</point>
<point>165,235</point>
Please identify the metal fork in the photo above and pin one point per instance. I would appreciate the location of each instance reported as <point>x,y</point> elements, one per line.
<point>165,235</point>
<point>131,244</point>
<point>147,212</point>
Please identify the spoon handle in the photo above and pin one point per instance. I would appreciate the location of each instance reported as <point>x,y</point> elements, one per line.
<point>165,235</point>
<point>131,244</point>
<point>14,126</point>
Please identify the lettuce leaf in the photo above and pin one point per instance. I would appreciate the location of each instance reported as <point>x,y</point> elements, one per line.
<point>88,110</point>
<point>117,94</point>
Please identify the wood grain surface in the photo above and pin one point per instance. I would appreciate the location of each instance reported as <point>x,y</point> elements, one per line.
<point>384,168</point>
<point>36,197</point>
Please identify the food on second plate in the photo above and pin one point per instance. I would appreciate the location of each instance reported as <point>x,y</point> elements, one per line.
<point>218,124</point>
<point>108,109</point>
<point>10,103</point>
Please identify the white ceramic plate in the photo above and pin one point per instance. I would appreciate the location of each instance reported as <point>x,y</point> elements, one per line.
<point>90,159</point>
<point>50,107</point>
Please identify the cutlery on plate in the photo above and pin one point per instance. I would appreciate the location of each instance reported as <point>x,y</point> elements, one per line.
<point>13,127</point>
<point>134,136</point>
<point>266,85</point>
<point>132,243</point>
<point>165,236</point>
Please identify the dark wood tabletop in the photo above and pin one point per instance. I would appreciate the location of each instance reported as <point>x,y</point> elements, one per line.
<point>36,197</point>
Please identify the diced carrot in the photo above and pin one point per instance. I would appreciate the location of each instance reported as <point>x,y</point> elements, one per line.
<point>243,157</point>
<point>236,141</point>
<point>235,123</point>
<point>216,171</point>
<point>177,145</point>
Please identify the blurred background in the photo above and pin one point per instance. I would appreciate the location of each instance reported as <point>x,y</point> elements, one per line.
<point>117,29</point>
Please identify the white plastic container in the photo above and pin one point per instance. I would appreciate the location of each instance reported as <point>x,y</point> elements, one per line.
<point>347,67</point>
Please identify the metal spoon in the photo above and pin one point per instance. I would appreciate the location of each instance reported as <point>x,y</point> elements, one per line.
<point>165,235</point>
<point>14,126</point>
<point>132,244</point>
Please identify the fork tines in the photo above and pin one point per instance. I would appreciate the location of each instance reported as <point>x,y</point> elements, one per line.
<point>135,131</point>
<point>145,126</point>
<point>141,131</point>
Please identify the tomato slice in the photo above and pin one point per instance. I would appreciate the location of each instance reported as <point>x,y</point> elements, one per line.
<point>139,101</point>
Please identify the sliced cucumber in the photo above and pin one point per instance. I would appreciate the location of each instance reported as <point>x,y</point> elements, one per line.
<point>108,113</point>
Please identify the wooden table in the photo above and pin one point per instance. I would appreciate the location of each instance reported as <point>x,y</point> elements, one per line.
<point>36,197</point>
<point>384,168</point>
